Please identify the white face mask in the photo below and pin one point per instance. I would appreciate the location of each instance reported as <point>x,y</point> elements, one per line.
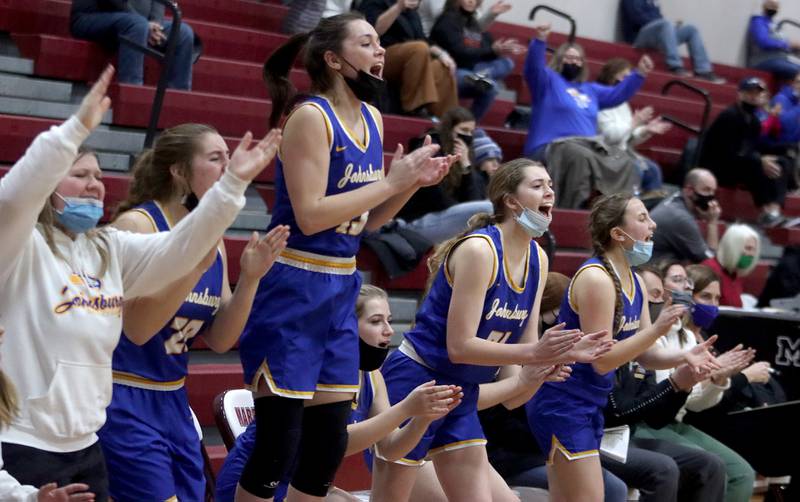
<point>533,222</point>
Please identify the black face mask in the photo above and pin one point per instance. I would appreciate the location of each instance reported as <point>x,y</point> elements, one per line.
<point>770,12</point>
<point>570,71</point>
<point>655,310</point>
<point>366,87</point>
<point>748,107</point>
<point>702,201</point>
<point>191,201</point>
<point>370,358</point>
<point>466,138</point>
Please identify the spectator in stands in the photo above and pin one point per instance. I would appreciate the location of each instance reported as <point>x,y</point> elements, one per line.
<point>731,151</point>
<point>705,392</point>
<point>767,48</point>
<point>737,256</point>
<point>430,10</point>
<point>141,22</point>
<point>441,211</point>
<point>788,102</point>
<point>303,15</point>
<point>486,155</point>
<point>481,61</point>
<point>66,282</point>
<point>624,129</point>
<point>423,74</point>
<point>644,26</point>
<point>678,234</point>
<point>10,489</point>
<point>784,278</point>
<point>150,403</point>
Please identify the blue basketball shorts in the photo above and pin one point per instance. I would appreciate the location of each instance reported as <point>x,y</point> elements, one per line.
<point>151,446</point>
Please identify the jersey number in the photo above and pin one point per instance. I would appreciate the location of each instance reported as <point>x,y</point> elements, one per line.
<point>498,336</point>
<point>185,330</point>
<point>354,226</point>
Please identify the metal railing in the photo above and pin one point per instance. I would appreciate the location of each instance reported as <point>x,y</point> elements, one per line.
<point>559,13</point>
<point>790,22</point>
<point>699,131</point>
<point>165,60</point>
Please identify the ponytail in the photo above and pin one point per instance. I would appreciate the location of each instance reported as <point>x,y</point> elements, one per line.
<point>8,401</point>
<point>617,293</point>
<point>276,75</point>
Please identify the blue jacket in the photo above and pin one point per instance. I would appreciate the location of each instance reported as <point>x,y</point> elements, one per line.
<point>790,115</point>
<point>561,108</point>
<point>764,43</point>
<point>638,13</point>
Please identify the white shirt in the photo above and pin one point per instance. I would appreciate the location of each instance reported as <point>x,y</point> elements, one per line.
<point>616,127</point>
<point>12,491</point>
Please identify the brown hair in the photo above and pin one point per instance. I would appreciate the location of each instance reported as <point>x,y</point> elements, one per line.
<point>329,35</point>
<point>8,401</point>
<point>701,276</point>
<point>647,267</point>
<point>47,223</point>
<point>366,293</point>
<point>504,182</point>
<point>557,63</point>
<point>608,212</point>
<point>611,69</point>
<point>448,122</point>
<point>152,178</point>
<point>553,293</point>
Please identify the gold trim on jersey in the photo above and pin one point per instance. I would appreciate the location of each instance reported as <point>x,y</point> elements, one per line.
<point>148,216</point>
<point>456,446</point>
<point>333,387</point>
<point>263,371</point>
<point>140,382</point>
<point>167,218</point>
<point>350,134</point>
<point>509,278</point>
<point>631,297</point>
<point>458,243</point>
<point>556,445</point>
<point>317,263</point>
<point>173,498</point>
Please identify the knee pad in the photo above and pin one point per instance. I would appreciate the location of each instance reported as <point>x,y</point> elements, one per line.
<point>278,426</point>
<point>322,447</point>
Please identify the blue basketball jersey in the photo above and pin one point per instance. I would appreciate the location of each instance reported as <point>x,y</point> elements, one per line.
<point>585,382</point>
<point>164,358</point>
<point>506,310</point>
<point>362,401</point>
<point>352,165</point>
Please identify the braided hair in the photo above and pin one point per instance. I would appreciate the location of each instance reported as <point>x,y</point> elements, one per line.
<point>608,212</point>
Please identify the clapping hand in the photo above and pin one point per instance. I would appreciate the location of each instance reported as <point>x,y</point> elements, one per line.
<point>259,254</point>
<point>96,102</point>
<point>246,163</point>
<point>432,401</point>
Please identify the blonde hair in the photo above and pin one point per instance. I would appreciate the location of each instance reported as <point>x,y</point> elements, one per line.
<point>8,401</point>
<point>731,248</point>
<point>367,293</point>
<point>557,63</point>
<point>97,236</point>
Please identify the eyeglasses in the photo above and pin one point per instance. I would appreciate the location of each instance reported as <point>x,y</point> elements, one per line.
<point>681,279</point>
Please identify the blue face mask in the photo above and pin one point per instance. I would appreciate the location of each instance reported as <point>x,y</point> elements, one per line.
<point>704,315</point>
<point>533,222</point>
<point>79,214</point>
<point>640,253</point>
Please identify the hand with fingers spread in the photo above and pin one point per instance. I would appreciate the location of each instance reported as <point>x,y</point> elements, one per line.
<point>96,102</point>
<point>407,169</point>
<point>431,401</point>
<point>259,254</point>
<point>553,345</point>
<point>590,348</point>
<point>500,7</point>
<point>643,115</point>
<point>700,358</point>
<point>70,493</point>
<point>731,363</point>
<point>246,162</point>
<point>684,378</point>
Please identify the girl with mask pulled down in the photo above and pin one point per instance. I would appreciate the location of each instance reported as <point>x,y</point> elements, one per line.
<point>299,349</point>
<point>604,296</point>
<point>702,300</point>
<point>65,283</point>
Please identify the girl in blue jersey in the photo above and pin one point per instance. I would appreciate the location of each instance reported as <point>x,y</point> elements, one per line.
<point>480,313</point>
<point>300,347</point>
<point>149,404</point>
<point>566,417</point>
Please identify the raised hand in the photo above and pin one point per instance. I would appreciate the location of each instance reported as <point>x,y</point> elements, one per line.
<point>246,163</point>
<point>700,358</point>
<point>645,65</point>
<point>500,7</point>
<point>543,31</point>
<point>643,115</point>
<point>590,348</point>
<point>418,168</point>
<point>259,254</point>
<point>658,126</point>
<point>431,401</point>
<point>70,493</point>
<point>553,345</point>
<point>96,102</point>
<point>668,316</point>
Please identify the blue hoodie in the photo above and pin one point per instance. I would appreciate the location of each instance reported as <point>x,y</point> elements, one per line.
<point>790,114</point>
<point>561,108</point>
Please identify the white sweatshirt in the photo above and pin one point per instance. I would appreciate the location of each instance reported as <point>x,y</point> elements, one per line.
<point>616,126</point>
<point>12,491</point>
<point>62,322</point>
<point>705,394</point>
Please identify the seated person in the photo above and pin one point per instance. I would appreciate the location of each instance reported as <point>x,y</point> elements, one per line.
<point>140,21</point>
<point>441,211</point>
<point>732,151</point>
<point>767,48</point>
<point>678,234</point>
<point>423,74</point>
<point>430,10</point>
<point>737,256</point>
<point>787,102</point>
<point>486,154</point>
<point>620,127</point>
<point>784,278</point>
<point>563,124</point>
<point>645,28</point>
<point>481,61</point>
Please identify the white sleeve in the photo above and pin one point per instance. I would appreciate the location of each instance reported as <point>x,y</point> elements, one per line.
<point>26,187</point>
<point>12,491</point>
<point>149,261</point>
<point>615,125</point>
<point>706,395</point>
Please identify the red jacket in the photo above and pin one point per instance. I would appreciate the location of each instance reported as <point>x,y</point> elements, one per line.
<point>731,286</point>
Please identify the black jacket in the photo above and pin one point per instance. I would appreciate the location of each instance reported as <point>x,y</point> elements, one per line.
<point>406,27</point>
<point>461,36</point>
<point>637,397</point>
<point>731,141</point>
